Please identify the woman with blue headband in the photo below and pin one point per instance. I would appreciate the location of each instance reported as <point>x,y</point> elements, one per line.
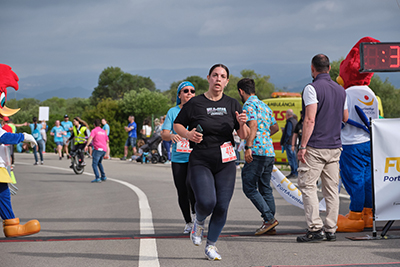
<point>211,118</point>
<point>180,155</point>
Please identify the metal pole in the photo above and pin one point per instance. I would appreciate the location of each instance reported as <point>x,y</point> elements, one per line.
<point>372,181</point>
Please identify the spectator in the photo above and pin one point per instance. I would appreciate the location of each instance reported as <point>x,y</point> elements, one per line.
<point>146,130</point>
<point>100,140</point>
<point>43,132</point>
<point>320,149</point>
<point>132,135</point>
<point>106,128</point>
<point>286,142</point>
<point>35,130</point>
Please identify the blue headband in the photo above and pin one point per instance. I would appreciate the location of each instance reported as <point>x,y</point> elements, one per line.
<point>183,84</point>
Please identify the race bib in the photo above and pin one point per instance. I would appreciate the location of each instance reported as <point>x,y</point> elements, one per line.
<point>58,134</point>
<point>227,152</point>
<point>183,146</point>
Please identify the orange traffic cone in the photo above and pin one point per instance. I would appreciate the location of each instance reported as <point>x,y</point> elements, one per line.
<point>352,223</point>
<point>12,228</point>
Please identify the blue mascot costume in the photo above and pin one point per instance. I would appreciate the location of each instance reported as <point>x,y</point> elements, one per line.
<point>11,224</point>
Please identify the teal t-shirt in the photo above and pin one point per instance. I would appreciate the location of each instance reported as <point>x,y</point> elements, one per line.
<point>106,128</point>
<point>36,132</point>
<point>58,133</point>
<point>178,157</point>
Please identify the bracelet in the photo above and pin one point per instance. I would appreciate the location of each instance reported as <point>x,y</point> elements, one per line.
<point>302,147</point>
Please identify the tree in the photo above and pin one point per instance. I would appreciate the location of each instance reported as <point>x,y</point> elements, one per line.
<point>143,103</point>
<point>264,88</point>
<point>114,83</point>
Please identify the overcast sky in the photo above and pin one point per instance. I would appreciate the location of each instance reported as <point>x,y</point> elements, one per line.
<point>51,36</point>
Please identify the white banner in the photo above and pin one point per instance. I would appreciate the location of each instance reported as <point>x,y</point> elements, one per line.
<point>386,167</point>
<point>289,191</point>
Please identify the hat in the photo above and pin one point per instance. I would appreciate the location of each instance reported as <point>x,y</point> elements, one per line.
<point>6,119</point>
<point>65,116</point>
<point>182,85</point>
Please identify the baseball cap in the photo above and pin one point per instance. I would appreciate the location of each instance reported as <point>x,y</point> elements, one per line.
<point>6,119</point>
<point>65,116</point>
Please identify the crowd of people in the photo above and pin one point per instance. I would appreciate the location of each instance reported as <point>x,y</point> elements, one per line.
<point>198,138</point>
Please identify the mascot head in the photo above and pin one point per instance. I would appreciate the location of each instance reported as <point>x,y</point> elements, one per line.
<point>8,78</point>
<point>349,73</point>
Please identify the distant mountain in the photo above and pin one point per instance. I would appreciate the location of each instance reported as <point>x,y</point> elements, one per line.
<point>287,77</point>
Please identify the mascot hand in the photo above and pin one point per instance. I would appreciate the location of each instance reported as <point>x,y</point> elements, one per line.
<point>29,138</point>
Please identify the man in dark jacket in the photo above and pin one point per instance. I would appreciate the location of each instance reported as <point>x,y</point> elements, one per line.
<point>286,142</point>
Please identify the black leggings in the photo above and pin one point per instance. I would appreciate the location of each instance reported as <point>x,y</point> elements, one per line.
<point>186,198</point>
<point>213,189</point>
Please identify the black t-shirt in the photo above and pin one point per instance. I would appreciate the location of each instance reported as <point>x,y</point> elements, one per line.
<point>217,118</point>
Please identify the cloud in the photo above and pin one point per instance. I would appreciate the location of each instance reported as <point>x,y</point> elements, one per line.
<point>40,37</point>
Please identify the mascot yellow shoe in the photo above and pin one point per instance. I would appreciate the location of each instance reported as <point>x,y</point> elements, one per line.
<point>12,228</point>
<point>353,223</point>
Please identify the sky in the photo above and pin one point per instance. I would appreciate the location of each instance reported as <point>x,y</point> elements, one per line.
<point>45,37</point>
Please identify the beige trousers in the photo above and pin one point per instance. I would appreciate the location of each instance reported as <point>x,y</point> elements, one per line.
<point>322,163</point>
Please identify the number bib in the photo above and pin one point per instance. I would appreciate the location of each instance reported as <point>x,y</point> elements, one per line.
<point>183,146</point>
<point>227,152</point>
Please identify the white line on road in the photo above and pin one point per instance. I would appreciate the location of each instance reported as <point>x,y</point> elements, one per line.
<point>148,255</point>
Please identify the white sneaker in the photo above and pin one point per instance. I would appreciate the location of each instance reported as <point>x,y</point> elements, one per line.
<point>212,253</point>
<point>196,234</point>
<point>188,228</point>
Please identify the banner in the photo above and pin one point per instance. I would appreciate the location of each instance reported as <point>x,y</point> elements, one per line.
<point>386,168</point>
<point>289,191</point>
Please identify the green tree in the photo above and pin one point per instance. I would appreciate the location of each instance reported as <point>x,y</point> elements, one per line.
<point>264,88</point>
<point>144,103</point>
<point>114,83</point>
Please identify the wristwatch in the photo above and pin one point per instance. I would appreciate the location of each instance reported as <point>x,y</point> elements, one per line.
<point>302,147</point>
<point>248,147</point>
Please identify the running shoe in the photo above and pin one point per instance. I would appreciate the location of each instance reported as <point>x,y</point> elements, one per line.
<point>212,253</point>
<point>196,234</point>
<point>97,180</point>
<point>188,228</point>
<point>103,178</point>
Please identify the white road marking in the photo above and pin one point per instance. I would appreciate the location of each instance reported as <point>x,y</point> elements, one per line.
<point>148,255</point>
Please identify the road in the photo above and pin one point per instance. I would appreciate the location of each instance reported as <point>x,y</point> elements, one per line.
<point>133,219</point>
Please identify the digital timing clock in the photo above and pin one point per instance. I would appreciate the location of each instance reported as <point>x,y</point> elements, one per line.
<point>379,57</point>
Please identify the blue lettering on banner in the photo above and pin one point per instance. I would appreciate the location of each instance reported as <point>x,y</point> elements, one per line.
<point>391,179</point>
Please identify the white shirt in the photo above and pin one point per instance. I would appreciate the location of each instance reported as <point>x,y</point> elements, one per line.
<point>365,98</point>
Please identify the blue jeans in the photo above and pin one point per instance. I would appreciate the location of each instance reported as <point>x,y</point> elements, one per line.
<point>96,162</point>
<point>291,155</point>
<point>256,182</point>
<point>40,144</point>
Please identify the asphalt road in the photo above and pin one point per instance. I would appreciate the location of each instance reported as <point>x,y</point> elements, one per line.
<point>133,219</point>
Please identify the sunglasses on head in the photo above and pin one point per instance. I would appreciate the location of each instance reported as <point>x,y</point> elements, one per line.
<point>187,91</point>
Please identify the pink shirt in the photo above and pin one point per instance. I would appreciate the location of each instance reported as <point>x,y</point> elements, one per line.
<point>100,139</point>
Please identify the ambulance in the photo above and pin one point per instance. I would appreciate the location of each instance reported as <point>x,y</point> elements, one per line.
<point>279,103</point>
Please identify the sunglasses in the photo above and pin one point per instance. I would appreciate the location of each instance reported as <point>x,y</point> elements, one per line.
<point>187,91</point>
